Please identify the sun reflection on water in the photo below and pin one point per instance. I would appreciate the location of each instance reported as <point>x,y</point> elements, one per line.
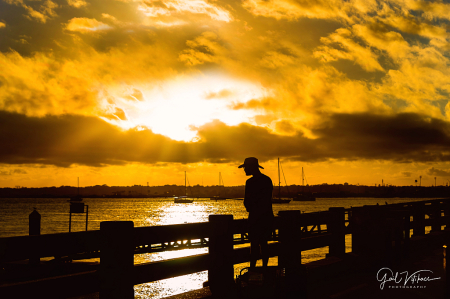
<point>176,213</point>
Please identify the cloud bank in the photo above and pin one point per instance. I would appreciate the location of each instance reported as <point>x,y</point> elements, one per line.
<point>84,82</point>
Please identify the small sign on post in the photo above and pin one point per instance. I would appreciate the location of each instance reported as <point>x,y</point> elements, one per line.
<point>34,230</point>
<point>78,208</point>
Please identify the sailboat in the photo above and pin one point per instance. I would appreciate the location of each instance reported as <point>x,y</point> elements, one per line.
<point>221,184</point>
<point>279,199</point>
<point>184,198</point>
<point>78,196</point>
<point>304,196</point>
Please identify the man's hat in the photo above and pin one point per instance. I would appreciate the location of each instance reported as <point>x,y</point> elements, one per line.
<point>251,161</point>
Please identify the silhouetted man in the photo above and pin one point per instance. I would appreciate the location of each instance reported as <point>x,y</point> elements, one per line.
<point>258,203</point>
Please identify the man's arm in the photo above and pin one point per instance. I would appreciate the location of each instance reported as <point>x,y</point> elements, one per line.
<point>249,197</point>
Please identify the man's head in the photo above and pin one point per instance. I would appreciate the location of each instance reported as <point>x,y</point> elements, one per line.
<point>251,166</point>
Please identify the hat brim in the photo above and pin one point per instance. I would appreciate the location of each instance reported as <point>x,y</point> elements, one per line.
<point>240,166</point>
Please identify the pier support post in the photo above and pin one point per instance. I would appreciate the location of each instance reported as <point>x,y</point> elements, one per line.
<point>336,226</point>
<point>116,260</point>
<point>290,257</point>
<point>34,229</point>
<point>221,268</point>
<point>418,219</point>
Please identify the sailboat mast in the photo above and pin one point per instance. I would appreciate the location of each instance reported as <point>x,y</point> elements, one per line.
<point>185,188</point>
<point>78,178</point>
<point>303,178</point>
<point>279,179</point>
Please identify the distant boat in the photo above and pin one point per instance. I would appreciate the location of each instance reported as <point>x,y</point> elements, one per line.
<point>279,199</point>
<point>218,197</point>
<point>77,197</point>
<point>304,196</point>
<point>183,198</point>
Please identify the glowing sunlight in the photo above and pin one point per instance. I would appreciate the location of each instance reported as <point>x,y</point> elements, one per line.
<point>176,108</point>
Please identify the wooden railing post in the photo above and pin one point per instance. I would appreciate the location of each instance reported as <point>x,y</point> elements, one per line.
<point>221,268</point>
<point>336,226</point>
<point>368,231</point>
<point>289,236</point>
<point>418,210</point>
<point>358,223</point>
<point>34,229</point>
<point>116,260</point>
<point>394,236</point>
<point>436,216</point>
<point>398,236</point>
<point>447,271</point>
<point>446,207</point>
<point>290,257</point>
<point>406,232</point>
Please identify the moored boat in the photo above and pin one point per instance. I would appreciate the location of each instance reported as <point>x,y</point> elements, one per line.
<point>281,200</point>
<point>183,198</point>
<point>78,197</point>
<point>304,197</point>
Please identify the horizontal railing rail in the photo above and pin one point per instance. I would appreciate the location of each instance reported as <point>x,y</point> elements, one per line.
<point>315,230</point>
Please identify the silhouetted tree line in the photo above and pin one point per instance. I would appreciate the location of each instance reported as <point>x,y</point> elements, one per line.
<point>136,191</point>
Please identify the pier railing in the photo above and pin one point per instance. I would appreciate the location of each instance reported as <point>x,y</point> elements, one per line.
<point>376,230</point>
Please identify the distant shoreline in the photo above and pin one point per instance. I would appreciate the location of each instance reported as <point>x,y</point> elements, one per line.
<point>231,198</point>
<point>167,191</point>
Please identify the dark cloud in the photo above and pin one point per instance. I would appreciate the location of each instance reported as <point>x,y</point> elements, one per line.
<point>403,137</point>
<point>68,139</point>
<point>12,172</point>
<point>438,172</point>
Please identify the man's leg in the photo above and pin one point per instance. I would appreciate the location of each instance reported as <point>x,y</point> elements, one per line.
<point>265,253</point>
<point>254,252</point>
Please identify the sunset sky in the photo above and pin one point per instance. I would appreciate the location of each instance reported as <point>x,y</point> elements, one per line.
<point>126,92</point>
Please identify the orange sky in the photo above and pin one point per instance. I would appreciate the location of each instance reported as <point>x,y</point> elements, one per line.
<point>133,91</point>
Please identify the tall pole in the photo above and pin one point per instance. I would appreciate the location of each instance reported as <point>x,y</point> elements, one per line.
<point>303,178</point>
<point>279,180</point>
<point>420,182</point>
<point>185,188</point>
<point>219,183</point>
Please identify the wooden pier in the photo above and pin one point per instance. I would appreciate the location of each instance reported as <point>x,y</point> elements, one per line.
<point>384,235</point>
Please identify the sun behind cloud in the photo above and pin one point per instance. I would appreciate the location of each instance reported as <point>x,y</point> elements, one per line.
<point>176,108</point>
